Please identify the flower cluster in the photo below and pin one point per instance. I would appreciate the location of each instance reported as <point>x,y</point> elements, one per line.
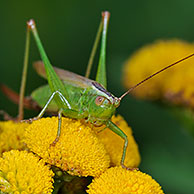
<point>122,181</point>
<point>81,150</point>
<point>22,172</point>
<point>78,150</point>
<point>173,85</point>
<point>11,136</point>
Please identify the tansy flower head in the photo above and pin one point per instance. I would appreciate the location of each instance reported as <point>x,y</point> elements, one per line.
<point>175,84</point>
<point>114,144</point>
<point>22,172</point>
<point>78,150</point>
<point>11,136</point>
<point>121,181</point>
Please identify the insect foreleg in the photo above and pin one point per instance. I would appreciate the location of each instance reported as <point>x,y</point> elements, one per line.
<point>101,130</point>
<point>119,132</point>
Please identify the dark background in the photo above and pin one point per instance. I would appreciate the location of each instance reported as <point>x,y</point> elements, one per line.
<point>67,30</point>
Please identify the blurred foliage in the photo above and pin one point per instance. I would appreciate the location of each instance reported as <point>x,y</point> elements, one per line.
<point>68,28</point>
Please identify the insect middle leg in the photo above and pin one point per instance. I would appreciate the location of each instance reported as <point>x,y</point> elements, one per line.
<point>59,127</point>
<point>66,111</point>
<point>47,104</point>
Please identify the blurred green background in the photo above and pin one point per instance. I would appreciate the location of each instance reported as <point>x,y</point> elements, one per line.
<point>67,30</point>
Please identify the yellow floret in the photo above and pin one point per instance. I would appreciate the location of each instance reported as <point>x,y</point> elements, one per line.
<point>117,180</point>
<point>114,144</point>
<point>78,150</point>
<point>175,84</point>
<point>11,136</point>
<point>22,172</point>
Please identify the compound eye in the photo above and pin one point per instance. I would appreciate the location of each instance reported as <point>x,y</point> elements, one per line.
<point>99,100</point>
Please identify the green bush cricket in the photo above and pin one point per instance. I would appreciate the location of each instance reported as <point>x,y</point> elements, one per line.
<point>76,96</point>
<point>79,97</point>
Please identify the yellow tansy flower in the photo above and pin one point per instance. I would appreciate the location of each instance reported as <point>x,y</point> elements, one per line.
<point>121,181</point>
<point>22,172</point>
<point>11,136</point>
<point>179,88</point>
<point>78,150</point>
<point>175,84</point>
<point>114,144</point>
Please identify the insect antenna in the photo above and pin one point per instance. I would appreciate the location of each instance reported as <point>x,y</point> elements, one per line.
<point>154,74</point>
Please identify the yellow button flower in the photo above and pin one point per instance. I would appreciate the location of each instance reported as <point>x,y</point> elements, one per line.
<point>11,136</point>
<point>117,180</point>
<point>78,151</point>
<point>114,144</point>
<point>22,172</point>
<point>175,84</point>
